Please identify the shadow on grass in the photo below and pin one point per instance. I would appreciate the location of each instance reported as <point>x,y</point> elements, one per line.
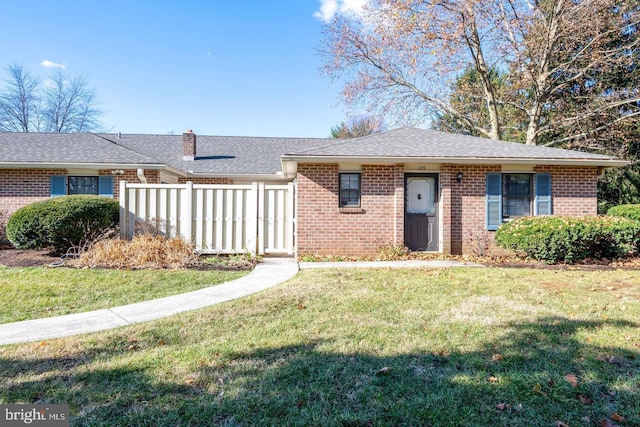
<point>518,381</point>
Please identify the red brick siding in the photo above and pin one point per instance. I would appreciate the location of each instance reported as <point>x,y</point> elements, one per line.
<point>323,230</point>
<point>468,205</point>
<point>573,192</point>
<point>19,187</point>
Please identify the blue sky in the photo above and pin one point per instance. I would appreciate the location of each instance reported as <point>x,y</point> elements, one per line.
<point>217,67</point>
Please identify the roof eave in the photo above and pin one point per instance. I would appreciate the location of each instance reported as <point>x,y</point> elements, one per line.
<point>243,177</point>
<point>605,162</point>
<point>67,165</point>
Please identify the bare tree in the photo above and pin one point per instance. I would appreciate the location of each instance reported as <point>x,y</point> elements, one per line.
<point>69,105</point>
<point>356,127</point>
<point>62,104</point>
<point>401,58</point>
<point>19,100</point>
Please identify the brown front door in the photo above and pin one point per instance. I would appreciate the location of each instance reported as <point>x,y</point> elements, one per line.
<point>421,212</point>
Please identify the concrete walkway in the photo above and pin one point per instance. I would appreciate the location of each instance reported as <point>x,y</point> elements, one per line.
<point>269,273</point>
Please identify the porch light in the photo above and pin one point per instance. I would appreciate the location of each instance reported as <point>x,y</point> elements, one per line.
<point>459,176</point>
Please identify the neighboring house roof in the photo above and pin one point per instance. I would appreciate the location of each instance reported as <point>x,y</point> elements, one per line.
<point>419,145</point>
<point>67,150</point>
<point>218,155</point>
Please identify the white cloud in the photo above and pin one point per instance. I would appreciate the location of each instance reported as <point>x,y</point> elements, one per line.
<point>50,64</point>
<point>330,8</point>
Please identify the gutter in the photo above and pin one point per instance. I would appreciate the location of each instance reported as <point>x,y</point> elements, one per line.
<point>279,176</point>
<point>290,162</point>
<point>54,165</point>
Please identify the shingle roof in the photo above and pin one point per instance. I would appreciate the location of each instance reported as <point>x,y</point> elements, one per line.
<point>65,148</point>
<point>231,155</point>
<point>440,146</point>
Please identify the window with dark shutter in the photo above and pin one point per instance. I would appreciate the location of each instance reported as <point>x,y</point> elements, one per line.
<point>512,195</point>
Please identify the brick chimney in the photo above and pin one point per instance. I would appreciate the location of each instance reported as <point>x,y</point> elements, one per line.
<point>188,145</point>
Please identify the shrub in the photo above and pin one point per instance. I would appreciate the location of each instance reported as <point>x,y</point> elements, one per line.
<point>392,252</point>
<point>625,211</point>
<point>568,239</point>
<point>143,251</point>
<point>62,222</point>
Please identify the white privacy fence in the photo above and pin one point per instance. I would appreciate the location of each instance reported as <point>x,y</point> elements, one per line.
<point>222,219</point>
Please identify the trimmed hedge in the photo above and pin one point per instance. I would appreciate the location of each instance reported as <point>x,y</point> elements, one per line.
<point>625,211</point>
<point>568,239</point>
<point>62,222</point>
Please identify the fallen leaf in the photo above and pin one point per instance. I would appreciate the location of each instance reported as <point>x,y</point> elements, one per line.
<point>585,399</point>
<point>384,371</point>
<point>160,342</point>
<point>503,406</point>
<point>571,379</point>
<point>560,424</point>
<point>617,417</point>
<point>497,357</point>
<point>538,389</point>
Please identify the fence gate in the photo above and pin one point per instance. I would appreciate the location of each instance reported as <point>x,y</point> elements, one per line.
<point>221,219</point>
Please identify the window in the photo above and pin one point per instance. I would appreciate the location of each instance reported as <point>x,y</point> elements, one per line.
<point>349,190</point>
<point>516,194</point>
<point>99,185</point>
<point>82,185</point>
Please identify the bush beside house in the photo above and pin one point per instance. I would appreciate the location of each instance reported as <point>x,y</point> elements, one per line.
<point>626,211</point>
<point>62,222</point>
<point>568,239</point>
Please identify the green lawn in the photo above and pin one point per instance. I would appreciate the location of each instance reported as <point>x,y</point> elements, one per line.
<point>35,292</point>
<point>458,347</point>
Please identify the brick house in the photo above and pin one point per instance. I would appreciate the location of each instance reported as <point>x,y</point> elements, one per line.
<point>428,190</point>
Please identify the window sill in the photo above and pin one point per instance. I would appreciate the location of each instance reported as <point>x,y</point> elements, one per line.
<point>353,210</point>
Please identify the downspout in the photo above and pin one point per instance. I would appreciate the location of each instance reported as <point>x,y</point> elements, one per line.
<point>141,177</point>
<point>601,172</point>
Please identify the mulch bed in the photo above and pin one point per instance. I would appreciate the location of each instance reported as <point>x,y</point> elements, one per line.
<point>10,257</point>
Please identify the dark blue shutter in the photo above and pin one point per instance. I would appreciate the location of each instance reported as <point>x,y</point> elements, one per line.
<point>58,185</point>
<point>543,194</point>
<point>494,201</point>
<point>105,186</point>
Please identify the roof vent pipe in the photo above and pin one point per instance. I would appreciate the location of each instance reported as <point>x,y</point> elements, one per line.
<point>188,145</point>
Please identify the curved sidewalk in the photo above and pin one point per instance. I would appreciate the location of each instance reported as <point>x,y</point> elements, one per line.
<point>270,272</point>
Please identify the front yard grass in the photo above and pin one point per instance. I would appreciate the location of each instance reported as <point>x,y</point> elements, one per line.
<point>455,347</point>
<point>35,292</point>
